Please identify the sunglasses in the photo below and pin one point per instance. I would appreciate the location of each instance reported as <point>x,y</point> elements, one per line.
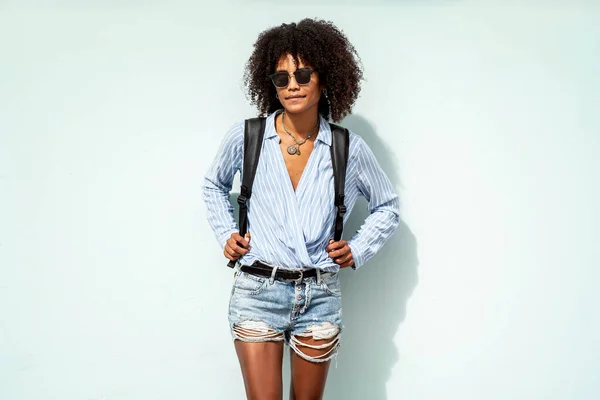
<point>282,78</point>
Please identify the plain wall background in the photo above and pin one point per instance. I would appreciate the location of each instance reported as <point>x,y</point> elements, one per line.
<point>484,114</point>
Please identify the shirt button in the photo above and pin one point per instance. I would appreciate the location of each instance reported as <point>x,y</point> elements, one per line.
<point>298,288</point>
<point>299,297</point>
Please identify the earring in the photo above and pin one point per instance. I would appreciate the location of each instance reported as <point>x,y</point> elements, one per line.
<point>277,96</point>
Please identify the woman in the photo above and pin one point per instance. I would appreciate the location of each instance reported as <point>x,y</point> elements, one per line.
<point>299,76</point>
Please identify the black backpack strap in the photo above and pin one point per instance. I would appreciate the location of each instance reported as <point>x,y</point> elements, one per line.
<point>339,160</point>
<point>254,131</point>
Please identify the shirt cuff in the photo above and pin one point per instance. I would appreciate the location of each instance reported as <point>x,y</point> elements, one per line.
<point>225,237</point>
<point>357,254</point>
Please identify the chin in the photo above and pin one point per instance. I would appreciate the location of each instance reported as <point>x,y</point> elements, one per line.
<point>297,108</point>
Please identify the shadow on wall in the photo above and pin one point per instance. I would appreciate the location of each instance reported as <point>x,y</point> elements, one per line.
<point>374,297</point>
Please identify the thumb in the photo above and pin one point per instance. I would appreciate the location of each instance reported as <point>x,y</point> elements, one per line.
<point>247,237</point>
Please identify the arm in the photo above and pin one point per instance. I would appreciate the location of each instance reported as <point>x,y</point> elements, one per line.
<point>218,181</point>
<point>384,207</point>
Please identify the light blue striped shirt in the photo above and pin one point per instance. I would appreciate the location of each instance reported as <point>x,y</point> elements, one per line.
<point>292,229</point>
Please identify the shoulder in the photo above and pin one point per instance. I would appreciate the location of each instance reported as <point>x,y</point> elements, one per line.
<point>359,151</point>
<point>356,145</point>
<point>232,143</point>
<point>354,138</point>
<point>234,138</point>
<point>235,132</point>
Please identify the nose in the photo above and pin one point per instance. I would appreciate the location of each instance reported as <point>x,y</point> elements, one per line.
<point>292,84</point>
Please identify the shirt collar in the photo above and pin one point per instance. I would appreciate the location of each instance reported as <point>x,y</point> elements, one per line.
<point>324,134</point>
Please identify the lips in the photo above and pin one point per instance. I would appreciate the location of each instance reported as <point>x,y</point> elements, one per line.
<point>295,97</point>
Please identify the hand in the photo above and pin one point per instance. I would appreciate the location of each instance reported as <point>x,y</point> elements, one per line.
<point>340,252</point>
<point>237,246</point>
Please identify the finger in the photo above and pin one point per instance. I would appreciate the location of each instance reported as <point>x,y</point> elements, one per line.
<point>344,259</point>
<point>340,252</point>
<point>239,240</point>
<point>348,263</point>
<point>230,251</point>
<point>335,245</point>
<point>335,254</point>
<point>329,247</point>
<point>235,250</point>
<point>227,255</point>
<point>240,251</point>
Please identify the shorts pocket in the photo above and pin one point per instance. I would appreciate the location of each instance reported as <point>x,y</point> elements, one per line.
<point>245,283</point>
<point>331,284</point>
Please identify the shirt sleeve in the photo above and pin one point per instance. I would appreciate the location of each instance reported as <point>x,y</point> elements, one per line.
<point>384,207</point>
<point>218,181</point>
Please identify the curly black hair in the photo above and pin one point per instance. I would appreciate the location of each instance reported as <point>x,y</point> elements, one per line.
<point>319,44</point>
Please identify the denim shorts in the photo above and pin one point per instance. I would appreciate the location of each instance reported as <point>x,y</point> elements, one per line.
<point>264,309</point>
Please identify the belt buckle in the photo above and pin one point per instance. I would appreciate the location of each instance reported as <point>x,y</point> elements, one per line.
<point>299,280</point>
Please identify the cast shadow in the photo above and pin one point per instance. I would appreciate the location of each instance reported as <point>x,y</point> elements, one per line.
<point>374,297</point>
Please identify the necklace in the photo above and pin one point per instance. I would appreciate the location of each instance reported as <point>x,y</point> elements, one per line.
<point>295,149</point>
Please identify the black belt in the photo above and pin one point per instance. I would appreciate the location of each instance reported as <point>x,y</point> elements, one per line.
<point>258,268</point>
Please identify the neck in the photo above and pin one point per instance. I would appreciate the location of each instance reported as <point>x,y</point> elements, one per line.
<point>302,124</point>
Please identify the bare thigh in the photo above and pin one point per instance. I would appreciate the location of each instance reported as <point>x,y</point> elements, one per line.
<point>309,377</point>
<point>261,368</point>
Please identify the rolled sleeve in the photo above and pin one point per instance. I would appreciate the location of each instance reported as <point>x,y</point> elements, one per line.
<point>218,181</point>
<point>384,208</point>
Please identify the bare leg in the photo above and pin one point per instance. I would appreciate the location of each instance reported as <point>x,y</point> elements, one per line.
<point>261,365</point>
<point>309,377</point>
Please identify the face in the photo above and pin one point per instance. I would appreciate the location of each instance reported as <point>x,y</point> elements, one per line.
<point>298,98</point>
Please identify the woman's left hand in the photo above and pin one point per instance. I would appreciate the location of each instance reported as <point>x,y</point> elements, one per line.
<point>340,252</point>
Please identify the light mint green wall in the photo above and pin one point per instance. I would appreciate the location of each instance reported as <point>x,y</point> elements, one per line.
<point>484,114</point>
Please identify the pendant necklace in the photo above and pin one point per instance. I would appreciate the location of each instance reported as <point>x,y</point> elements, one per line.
<point>295,149</point>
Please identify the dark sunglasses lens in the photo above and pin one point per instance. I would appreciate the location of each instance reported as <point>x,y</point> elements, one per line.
<point>303,76</point>
<point>281,79</point>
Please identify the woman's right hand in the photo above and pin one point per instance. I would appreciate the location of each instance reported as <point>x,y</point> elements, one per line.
<point>237,246</point>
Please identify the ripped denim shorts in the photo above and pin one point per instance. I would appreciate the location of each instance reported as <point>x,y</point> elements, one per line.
<point>264,309</point>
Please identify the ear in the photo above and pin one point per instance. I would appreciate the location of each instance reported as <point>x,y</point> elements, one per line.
<point>322,88</point>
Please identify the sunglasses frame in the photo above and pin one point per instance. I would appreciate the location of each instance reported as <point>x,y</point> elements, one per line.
<point>272,76</point>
